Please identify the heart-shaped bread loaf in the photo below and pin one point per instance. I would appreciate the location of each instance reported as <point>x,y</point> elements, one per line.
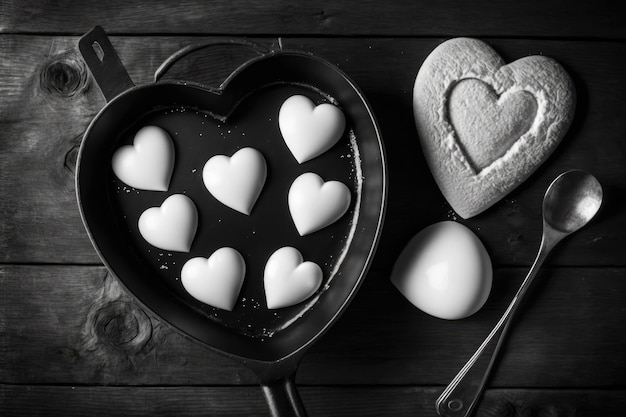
<point>485,126</point>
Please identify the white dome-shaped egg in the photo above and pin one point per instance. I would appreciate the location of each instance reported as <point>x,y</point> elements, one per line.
<point>444,271</point>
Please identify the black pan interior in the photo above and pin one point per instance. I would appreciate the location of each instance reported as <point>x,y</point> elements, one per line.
<point>202,124</point>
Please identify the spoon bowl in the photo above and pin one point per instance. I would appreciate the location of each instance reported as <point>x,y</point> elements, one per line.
<point>572,199</point>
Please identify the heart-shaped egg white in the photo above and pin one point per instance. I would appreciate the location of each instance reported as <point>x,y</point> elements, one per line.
<point>148,163</point>
<point>215,280</point>
<point>171,226</point>
<point>315,204</point>
<point>309,130</point>
<point>236,181</point>
<point>288,279</point>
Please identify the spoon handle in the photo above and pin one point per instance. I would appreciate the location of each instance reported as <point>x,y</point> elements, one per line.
<point>462,394</point>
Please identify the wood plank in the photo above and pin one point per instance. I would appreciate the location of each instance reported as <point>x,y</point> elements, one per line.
<point>75,325</point>
<point>16,401</point>
<point>90,329</point>
<point>73,342</point>
<point>547,18</point>
<point>40,221</point>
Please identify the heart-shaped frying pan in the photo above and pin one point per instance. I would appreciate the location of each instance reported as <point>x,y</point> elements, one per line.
<point>202,121</point>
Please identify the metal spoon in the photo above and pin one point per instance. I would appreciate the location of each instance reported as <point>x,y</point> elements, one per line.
<point>570,202</point>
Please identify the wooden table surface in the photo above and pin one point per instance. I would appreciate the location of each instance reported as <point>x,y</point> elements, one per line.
<point>73,342</point>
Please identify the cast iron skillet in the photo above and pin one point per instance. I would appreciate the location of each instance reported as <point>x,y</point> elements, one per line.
<point>207,121</point>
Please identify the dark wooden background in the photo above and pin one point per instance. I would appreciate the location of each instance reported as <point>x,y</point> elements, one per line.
<point>73,342</point>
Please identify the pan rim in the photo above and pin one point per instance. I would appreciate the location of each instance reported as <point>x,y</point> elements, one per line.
<point>375,236</point>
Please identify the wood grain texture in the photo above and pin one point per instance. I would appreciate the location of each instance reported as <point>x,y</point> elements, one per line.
<point>73,342</point>
<point>547,18</point>
<point>75,325</point>
<point>43,126</point>
<point>21,401</point>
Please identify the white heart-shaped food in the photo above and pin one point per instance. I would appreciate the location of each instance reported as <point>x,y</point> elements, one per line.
<point>309,130</point>
<point>215,280</point>
<point>236,181</point>
<point>288,280</point>
<point>148,163</point>
<point>486,126</point>
<point>315,204</point>
<point>172,226</point>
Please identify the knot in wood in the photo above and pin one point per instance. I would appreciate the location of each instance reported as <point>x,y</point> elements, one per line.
<point>123,325</point>
<point>65,75</point>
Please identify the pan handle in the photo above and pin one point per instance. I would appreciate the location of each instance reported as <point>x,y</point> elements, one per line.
<point>172,59</point>
<point>282,397</point>
<point>104,63</point>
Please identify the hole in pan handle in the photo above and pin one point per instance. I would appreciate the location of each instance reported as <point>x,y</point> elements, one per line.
<point>104,63</point>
